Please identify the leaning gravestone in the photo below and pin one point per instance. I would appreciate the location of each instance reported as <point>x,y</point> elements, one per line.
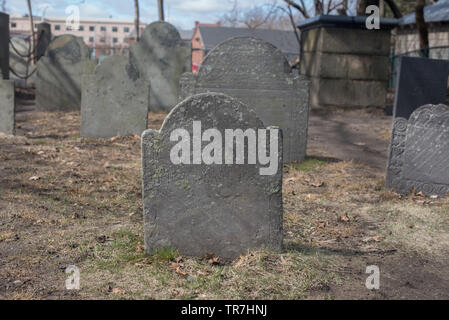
<point>161,58</point>
<point>59,72</point>
<point>420,81</point>
<point>114,100</point>
<point>420,152</point>
<point>195,202</point>
<point>7,106</point>
<point>257,73</point>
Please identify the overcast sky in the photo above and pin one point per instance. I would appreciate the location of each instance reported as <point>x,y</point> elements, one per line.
<point>181,13</point>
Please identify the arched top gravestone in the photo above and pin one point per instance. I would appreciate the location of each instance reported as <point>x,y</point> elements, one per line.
<point>59,72</point>
<point>419,152</point>
<point>114,100</point>
<point>161,57</point>
<point>258,74</point>
<point>202,207</point>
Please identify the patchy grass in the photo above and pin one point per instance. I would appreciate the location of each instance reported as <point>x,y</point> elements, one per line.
<point>65,201</point>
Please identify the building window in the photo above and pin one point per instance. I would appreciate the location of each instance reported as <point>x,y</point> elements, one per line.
<point>115,40</point>
<point>126,29</point>
<point>103,28</point>
<point>103,39</point>
<point>91,28</point>
<point>13,25</point>
<point>81,28</point>
<point>57,27</point>
<point>91,39</point>
<point>114,29</point>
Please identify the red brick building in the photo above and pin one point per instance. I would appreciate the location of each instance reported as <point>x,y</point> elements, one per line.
<point>207,36</point>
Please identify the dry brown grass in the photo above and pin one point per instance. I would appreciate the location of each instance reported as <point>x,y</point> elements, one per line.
<point>66,200</point>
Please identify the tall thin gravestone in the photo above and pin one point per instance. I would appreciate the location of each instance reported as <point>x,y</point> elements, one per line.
<point>59,73</point>
<point>258,74</point>
<point>4,45</point>
<point>198,199</point>
<point>161,57</point>
<point>7,106</point>
<point>114,100</point>
<point>43,39</point>
<point>421,81</point>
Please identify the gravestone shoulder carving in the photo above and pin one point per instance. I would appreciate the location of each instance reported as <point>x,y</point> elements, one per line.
<point>258,74</point>
<point>161,57</point>
<point>419,152</point>
<point>114,100</point>
<point>201,207</point>
<point>59,73</point>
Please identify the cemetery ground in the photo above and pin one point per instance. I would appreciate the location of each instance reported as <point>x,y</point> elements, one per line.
<point>66,200</point>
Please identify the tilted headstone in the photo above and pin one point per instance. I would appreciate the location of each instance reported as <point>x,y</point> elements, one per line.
<point>161,58</point>
<point>7,106</point>
<point>420,152</point>
<point>59,73</point>
<point>420,81</point>
<point>114,100</point>
<point>193,200</point>
<point>4,46</point>
<point>43,39</point>
<point>258,74</point>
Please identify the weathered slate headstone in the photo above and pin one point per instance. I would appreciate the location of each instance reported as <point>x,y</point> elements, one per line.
<point>204,207</point>
<point>59,72</point>
<point>4,46</point>
<point>258,74</point>
<point>420,81</point>
<point>7,106</point>
<point>161,58</point>
<point>114,100</point>
<point>420,152</point>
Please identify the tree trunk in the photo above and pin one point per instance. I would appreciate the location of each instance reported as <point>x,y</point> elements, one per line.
<point>161,10</point>
<point>137,19</point>
<point>33,41</point>
<point>422,28</point>
<point>319,9</point>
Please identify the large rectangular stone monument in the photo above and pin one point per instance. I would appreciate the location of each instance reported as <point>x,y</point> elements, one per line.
<point>4,46</point>
<point>59,73</point>
<point>258,74</point>
<point>420,152</point>
<point>348,64</point>
<point>114,100</point>
<point>7,107</point>
<point>206,188</point>
<point>161,57</point>
<point>420,81</point>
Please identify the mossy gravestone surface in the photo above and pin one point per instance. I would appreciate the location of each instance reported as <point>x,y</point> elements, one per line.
<point>258,74</point>
<point>420,151</point>
<point>161,57</point>
<point>7,105</point>
<point>201,201</point>
<point>59,73</point>
<point>114,100</point>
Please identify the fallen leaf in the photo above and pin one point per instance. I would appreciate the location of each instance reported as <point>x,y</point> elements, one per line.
<point>139,247</point>
<point>118,291</point>
<point>214,261</point>
<point>345,218</point>
<point>175,292</point>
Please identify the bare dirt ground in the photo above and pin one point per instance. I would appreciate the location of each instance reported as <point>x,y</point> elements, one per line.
<point>65,200</point>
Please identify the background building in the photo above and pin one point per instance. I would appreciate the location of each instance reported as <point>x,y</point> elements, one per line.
<point>103,36</point>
